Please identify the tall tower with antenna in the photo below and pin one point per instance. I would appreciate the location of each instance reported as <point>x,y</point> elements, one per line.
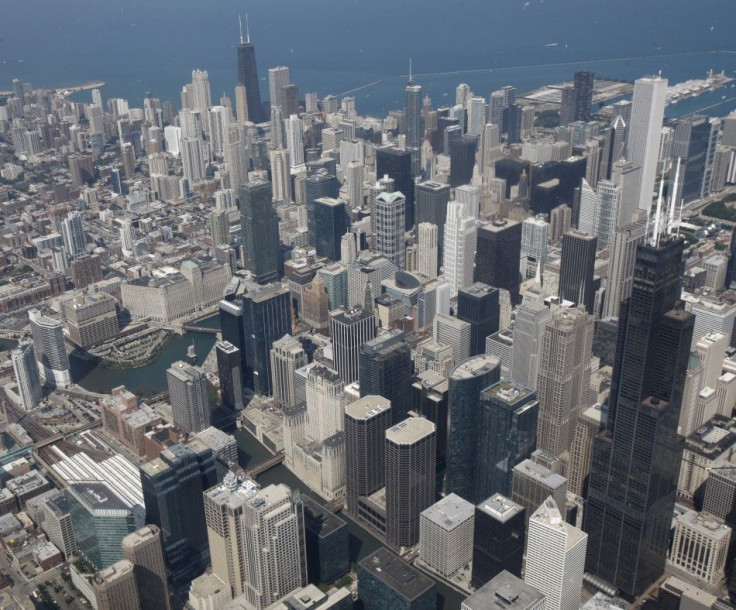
<point>248,74</point>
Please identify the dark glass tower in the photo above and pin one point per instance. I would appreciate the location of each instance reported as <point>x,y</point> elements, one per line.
<point>259,229</point>
<point>431,199</point>
<point>266,318</point>
<point>231,324</point>
<point>498,539</point>
<point>478,305</point>
<point>318,185</point>
<point>414,124</point>
<point>577,269</point>
<point>331,223</point>
<point>507,435</point>
<point>396,164</point>
<point>583,84</point>
<point>248,76</point>
<point>462,159</point>
<point>230,375</point>
<point>636,460</point>
<point>173,485</point>
<point>497,256</point>
<point>385,369</point>
<point>466,383</point>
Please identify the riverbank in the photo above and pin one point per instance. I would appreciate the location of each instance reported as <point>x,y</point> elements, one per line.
<point>135,351</point>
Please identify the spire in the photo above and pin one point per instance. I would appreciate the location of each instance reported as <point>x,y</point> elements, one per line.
<point>247,29</point>
<point>658,216</point>
<point>673,199</point>
<point>411,78</point>
<point>240,24</point>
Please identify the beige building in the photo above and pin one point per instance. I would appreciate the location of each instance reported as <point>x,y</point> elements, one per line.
<point>700,547</point>
<point>115,587</point>
<point>446,535</point>
<point>91,318</point>
<point>144,549</point>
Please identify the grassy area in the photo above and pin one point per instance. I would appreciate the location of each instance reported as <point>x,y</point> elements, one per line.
<point>548,119</point>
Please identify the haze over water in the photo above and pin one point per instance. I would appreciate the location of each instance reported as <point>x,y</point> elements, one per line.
<point>336,46</point>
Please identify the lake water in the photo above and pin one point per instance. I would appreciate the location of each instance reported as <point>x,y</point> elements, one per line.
<point>335,46</point>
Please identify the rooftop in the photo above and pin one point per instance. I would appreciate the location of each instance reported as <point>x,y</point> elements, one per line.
<point>549,515</point>
<point>319,519</point>
<point>538,472</point>
<point>410,431</point>
<point>367,407</point>
<point>394,572</point>
<point>500,508</point>
<point>475,366</point>
<point>450,512</point>
<point>97,495</point>
<point>508,392</point>
<point>704,524</point>
<point>504,592</point>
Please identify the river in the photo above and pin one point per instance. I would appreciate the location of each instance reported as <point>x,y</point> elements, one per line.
<point>151,379</point>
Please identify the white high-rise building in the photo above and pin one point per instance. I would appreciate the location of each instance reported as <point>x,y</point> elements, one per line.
<point>555,558</point>
<point>531,321</point>
<point>277,78</point>
<point>326,403</point>
<point>201,96</point>
<point>172,137</point>
<point>26,375</point>
<point>476,115</point>
<point>390,211</point>
<point>588,208</point>
<point>456,333</point>
<point>280,175</point>
<point>127,237</point>
<point>458,247</point>
<point>354,177</point>
<point>621,266</point>
<point>294,140</point>
<point>219,119</point>
<point>712,315</point>
<point>50,349</point>
<point>287,355</point>
<point>534,237</point>
<point>700,547</point>
<point>446,535</point>
<point>256,539</point>
<point>235,155</point>
<point>427,234</point>
<point>470,196</point>
<point>190,402</point>
<point>606,221</point>
<point>645,129</point>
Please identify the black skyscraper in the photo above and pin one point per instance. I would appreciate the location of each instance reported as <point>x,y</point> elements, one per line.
<point>173,485</point>
<point>498,539</point>
<point>430,205</point>
<point>636,460</point>
<point>396,164</point>
<point>583,84</point>
<point>478,305</point>
<point>386,370</point>
<point>462,159</point>
<point>577,269</point>
<point>230,375</point>
<point>318,185</point>
<point>266,318</point>
<point>259,227</point>
<point>331,223</point>
<point>497,256</point>
<point>231,324</point>
<point>512,121</point>
<point>248,76</point>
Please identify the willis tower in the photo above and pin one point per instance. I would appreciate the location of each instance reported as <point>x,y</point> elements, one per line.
<point>248,76</point>
<point>636,459</point>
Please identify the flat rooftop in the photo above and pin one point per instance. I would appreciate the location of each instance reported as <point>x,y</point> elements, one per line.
<point>450,512</point>
<point>320,520</point>
<point>504,592</point>
<point>394,572</point>
<point>410,431</point>
<point>368,407</point>
<point>500,507</point>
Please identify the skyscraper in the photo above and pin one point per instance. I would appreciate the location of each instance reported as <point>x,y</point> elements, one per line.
<point>531,320</point>
<point>115,587</point>
<point>325,403</point>
<point>507,435</point>
<point>50,350</point>
<point>467,381</point>
<point>190,401</point>
<point>144,549</point>
<point>259,230</point>
<point>248,77</point>
<point>173,484</point>
<point>390,210</point>
<point>642,148</point>
<point>563,384</point>
<point>621,267</point>
<point>230,375</point>
<point>428,247</point>
<point>577,269</point>
<point>414,124</point>
<point>497,256</point>
<point>331,223</point>
<point>498,542</point>
<point>287,355</point>
<point>478,305</point>
<point>534,238</point>
<point>431,199</point>
<point>72,232</point>
<point>266,318</point>
<point>349,331</point>
<point>294,140</point>
<point>583,86</point>
<point>366,422</point>
<point>385,366</point>
<point>635,465</point>
<point>459,246</point>
<point>318,185</point>
<point>555,558</point>
<point>26,375</point>
<point>397,164</point>
<point>462,159</point>
<point>256,539</point>
<point>278,78</point>
<point>231,325</point>
<point>410,475</point>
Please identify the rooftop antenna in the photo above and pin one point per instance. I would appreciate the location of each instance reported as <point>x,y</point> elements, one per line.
<point>240,23</point>
<point>679,222</point>
<point>411,79</point>
<point>673,199</point>
<point>658,216</point>
<point>247,29</point>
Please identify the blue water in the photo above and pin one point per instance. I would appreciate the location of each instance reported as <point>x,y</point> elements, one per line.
<point>334,46</point>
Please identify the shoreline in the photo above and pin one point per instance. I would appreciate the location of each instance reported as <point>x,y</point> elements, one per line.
<point>88,86</point>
